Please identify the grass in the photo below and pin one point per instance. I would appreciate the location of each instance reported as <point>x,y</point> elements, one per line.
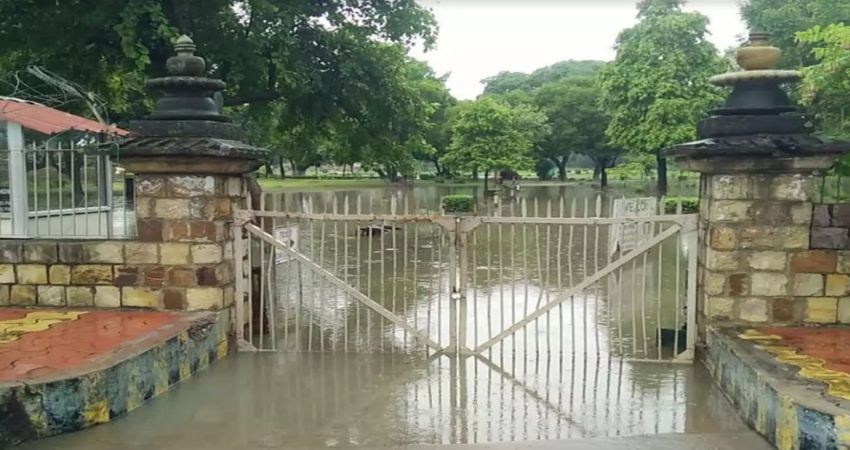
<point>296,183</point>
<point>580,176</point>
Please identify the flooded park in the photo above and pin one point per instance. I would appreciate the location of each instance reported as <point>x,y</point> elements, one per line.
<point>344,376</point>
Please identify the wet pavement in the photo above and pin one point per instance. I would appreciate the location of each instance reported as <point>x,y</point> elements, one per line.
<point>339,400</point>
<point>52,343</point>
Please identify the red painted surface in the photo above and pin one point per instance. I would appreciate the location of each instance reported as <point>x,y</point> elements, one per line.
<point>49,121</point>
<point>73,344</point>
<point>829,344</point>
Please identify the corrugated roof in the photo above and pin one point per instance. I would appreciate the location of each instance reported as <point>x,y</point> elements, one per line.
<point>49,121</point>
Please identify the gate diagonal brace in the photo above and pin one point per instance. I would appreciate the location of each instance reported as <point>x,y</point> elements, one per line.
<point>577,289</point>
<point>359,296</point>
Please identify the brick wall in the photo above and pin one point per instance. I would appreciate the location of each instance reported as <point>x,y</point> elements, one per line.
<point>760,262</point>
<point>831,227</point>
<point>181,260</point>
<point>114,274</point>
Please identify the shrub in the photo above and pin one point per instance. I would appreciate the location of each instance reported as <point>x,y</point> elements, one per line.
<point>458,204</point>
<point>690,205</point>
<point>427,176</point>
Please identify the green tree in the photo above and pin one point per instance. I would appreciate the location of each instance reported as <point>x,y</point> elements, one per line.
<point>576,120</point>
<point>785,18</point>
<point>489,135</point>
<point>505,81</point>
<point>657,87</point>
<point>305,76</point>
<point>437,104</point>
<point>826,88</point>
<point>307,53</point>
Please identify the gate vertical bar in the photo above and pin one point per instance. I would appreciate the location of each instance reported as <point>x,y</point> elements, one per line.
<point>17,179</point>
<point>691,334</point>
<point>461,283</point>
<point>452,285</point>
<point>239,295</point>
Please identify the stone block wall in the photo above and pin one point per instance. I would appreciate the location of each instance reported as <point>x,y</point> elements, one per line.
<point>831,227</point>
<point>113,274</point>
<point>181,260</point>
<point>757,263</point>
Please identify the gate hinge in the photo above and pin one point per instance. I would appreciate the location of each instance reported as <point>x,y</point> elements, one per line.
<point>242,217</point>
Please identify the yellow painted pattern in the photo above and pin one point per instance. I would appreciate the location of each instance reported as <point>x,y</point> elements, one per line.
<point>95,413</point>
<point>12,330</point>
<point>842,430</point>
<point>787,430</point>
<point>761,418</point>
<point>838,383</point>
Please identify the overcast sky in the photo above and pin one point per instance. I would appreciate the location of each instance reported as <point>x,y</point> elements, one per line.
<point>479,38</point>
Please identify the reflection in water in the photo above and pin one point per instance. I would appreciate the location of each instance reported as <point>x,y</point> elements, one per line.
<point>320,400</point>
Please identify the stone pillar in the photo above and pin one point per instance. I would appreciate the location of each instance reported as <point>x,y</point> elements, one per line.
<point>761,168</point>
<point>189,164</point>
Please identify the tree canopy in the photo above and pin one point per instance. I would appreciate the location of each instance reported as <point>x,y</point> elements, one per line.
<point>505,81</point>
<point>489,135</point>
<point>314,81</point>
<point>657,87</point>
<point>575,117</point>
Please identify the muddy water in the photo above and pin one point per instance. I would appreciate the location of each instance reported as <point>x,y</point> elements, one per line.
<point>508,270</point>
<point>327,400</point>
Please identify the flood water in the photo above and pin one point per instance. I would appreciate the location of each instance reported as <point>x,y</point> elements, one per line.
<point>507,271</point>
<point>330,400</point>
<point>347,377</point>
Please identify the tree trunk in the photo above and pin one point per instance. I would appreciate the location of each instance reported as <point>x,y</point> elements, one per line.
<point>438,168</point>
<point>486,176</point>
<point>603,177</point>
<point>281,167</point>
<point>562,169</point>
<point>268,167</point>
<point>475,173</point>
<point>597,172</point>
<point>662,174</point>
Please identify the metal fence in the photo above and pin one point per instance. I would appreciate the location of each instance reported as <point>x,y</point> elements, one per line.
<point>62,189</point>
<point>548,280</point>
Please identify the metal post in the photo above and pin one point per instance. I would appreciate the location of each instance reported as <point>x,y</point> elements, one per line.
<point>239,294</point>
<point>107,189</point>
<point>17,179</point>
<point>691,237</point>
<point>460,285</point>
<point>454,295</point>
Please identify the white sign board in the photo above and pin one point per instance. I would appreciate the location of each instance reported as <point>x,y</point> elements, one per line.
<point>289,235</point>
<point>625,236</point>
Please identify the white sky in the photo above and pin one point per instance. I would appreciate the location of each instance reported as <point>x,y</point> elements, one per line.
<point>479,38</point>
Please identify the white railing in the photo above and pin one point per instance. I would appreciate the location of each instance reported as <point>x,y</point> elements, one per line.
<point>58,188</point>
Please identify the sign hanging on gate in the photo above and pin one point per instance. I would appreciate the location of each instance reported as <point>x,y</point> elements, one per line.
<point>625,236</point>
<point>289,235</point>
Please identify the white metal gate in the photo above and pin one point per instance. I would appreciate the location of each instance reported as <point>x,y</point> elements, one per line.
<point>544,280</point>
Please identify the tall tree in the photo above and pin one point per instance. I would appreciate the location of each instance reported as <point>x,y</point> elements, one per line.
<point>575,117</point>
<point>329,68</point>
<point>305,52</point>
<point>488,135</point>
<point>657,87</point>
<point>505,81</point>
